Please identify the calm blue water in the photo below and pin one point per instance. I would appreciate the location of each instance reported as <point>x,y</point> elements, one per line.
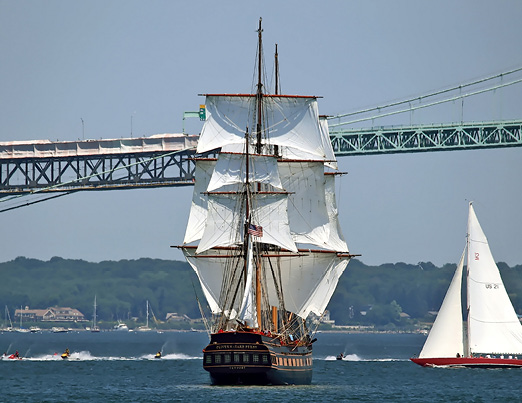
<point>119,367</point>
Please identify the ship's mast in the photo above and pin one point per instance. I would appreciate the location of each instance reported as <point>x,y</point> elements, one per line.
<point>259,93</point>
<point>276,57</point>
<point>259,99</point>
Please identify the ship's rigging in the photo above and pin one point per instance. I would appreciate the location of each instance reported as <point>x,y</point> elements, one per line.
<point>263,235</point>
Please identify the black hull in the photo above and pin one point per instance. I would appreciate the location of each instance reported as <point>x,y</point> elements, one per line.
<point>247,358</point>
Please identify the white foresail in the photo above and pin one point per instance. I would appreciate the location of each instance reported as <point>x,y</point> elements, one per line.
<point>290,153</point>
<point>210,272</point>
<point>446,335</point>
<point>198,209</point>
<point>294,122</point>
<point>324,290</point>
<point>493,323</point>
<point>270,212</point>
<point>327,143</point>
<point>231,170</point>
<point>225,222</point>
<point>308,281</point>
<point>307,213</point>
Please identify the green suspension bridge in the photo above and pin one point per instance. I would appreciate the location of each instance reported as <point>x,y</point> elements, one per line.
<point>59,168</point>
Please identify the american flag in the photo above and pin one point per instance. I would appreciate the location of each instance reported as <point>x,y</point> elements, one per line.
<point>255,230</point>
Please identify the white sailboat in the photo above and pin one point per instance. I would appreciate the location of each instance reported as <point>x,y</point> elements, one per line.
<point>95,328</point>
<point>145,328</point>
<point>7,327</point>
<point>21,329</point>
<point>263,235</point>
<point>494,334</point>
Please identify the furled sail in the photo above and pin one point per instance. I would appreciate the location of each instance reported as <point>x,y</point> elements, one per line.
<point>493,323</point>
<point>446,335</point>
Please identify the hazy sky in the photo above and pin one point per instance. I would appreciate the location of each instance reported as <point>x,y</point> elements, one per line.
<point>107,61</point>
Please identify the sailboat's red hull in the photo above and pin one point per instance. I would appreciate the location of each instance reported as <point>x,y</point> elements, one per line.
<point>470,362</point>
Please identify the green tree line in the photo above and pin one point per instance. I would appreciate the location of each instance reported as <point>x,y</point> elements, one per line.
<point>367,295</point>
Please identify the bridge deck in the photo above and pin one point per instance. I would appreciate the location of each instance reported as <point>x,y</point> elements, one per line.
<point>165,159</point>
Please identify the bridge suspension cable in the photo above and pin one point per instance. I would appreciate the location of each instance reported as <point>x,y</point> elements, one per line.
<point>419,98</point>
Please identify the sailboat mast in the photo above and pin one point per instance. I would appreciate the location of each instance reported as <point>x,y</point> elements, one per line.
<point>468,347</point>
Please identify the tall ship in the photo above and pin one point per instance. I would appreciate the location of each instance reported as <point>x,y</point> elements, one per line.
<point>263,235</point>
<point>492,337</point>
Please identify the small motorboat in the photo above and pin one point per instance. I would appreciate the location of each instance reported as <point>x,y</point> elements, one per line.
<point>340,356</point>
<point>158,355</point>
<point>15,356</point>
<point>66,354</point>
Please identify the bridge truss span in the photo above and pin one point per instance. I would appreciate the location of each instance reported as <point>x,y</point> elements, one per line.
<point>162,160</point>
<point>427,138</point>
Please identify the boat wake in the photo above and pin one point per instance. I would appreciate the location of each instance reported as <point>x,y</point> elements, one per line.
<point>355,357</point>
<point>87,356</point>
<point>348,357</point>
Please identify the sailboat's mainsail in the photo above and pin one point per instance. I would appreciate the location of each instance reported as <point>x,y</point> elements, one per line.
<point>446,335</point>
<point>493,323</point>
<point>281,188</point>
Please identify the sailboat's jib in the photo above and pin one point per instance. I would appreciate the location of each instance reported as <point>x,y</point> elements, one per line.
<point>446,335</point>
<point>494,332</point>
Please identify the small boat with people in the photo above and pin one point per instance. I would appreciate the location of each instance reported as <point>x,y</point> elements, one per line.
<point>340,356</point>
<point>493,338</point>
<point>14,356</point>
<point>158,355</point>
<point>66,354</point>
